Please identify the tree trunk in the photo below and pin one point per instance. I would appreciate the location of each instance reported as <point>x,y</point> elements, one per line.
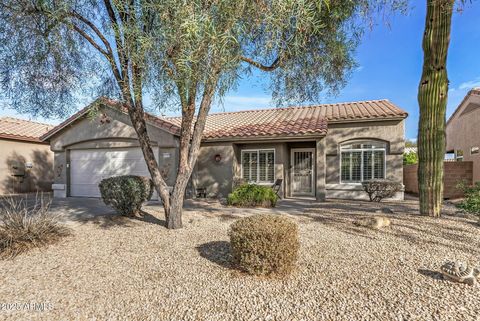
<point>432,99</point>
<point>189,156</point>
<point>138,122</point>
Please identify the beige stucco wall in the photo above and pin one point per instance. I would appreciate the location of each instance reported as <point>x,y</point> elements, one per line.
<point>91,133</point>
<point>463,132</point>
<point>17,153</point>
<point>218,178</point>
<point>390,132</point>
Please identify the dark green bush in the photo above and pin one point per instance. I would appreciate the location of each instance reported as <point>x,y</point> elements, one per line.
<point>126,194</point>
<point>249,195</point>
<point>471,202</point>
<point>264,244</point>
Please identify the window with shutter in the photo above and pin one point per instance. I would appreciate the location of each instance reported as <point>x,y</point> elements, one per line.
<point>258,166</point>
<point>362,161</point>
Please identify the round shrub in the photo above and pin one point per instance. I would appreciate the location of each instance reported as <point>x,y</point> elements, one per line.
<point>250,195</point>
<point>126,194</point>
<point>264,244</point>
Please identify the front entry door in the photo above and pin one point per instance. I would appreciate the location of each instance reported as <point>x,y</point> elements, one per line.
<point>302,161</point>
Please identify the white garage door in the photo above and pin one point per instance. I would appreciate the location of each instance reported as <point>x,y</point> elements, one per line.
<point>89,166</point>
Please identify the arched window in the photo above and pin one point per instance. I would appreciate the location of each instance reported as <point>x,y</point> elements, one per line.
<point>361,161</point>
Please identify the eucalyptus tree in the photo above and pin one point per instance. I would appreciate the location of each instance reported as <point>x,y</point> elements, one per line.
<point>184,53</point>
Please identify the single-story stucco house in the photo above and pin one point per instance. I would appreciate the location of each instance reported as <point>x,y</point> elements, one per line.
<point>463,132</point>
<point>322,151</point>
<point>26,162</point>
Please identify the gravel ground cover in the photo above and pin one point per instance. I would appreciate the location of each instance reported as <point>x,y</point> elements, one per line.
<point>114,268</point>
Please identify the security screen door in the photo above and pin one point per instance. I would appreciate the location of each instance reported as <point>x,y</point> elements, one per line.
<point>302,171</point>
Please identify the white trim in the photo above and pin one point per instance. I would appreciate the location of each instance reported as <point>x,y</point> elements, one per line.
<point>362,150</point>
<point>258,150</point>
<point>312,170</point>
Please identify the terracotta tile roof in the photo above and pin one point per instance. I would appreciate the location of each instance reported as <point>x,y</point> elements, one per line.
<point>20,129</point>
<point>162,123</point>
<point>294,121</point>
<point>273,122</point>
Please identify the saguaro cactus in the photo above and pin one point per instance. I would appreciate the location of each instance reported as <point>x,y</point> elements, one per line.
<point>432,99</point>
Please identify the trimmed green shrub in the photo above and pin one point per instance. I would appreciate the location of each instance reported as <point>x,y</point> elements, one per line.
<point>471,202</point>
<point>126,194</point>
<point>250,195</point>
<point>378,189</point>
<point>264,244</point>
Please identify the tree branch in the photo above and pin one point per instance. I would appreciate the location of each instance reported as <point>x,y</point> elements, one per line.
<point>94,28</point>
<point>91,41</point>
<point>273,66</point>
<point>118,42</point>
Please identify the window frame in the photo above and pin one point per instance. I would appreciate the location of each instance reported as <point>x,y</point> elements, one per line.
<point>459,158</point>
<point>258,150</point>
<point>362,150</point>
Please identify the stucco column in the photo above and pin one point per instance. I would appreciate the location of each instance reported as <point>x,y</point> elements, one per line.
<point>320,170</point>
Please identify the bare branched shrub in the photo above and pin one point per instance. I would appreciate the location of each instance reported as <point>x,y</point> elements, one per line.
<point>265,244</point>
<point>379,189</point>
<point>24,226</point>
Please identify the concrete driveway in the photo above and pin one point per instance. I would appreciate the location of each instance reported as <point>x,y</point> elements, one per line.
<point>74,210</point>
<point>80,210</point>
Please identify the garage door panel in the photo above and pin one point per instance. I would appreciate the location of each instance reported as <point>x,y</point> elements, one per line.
<point>89,167</point>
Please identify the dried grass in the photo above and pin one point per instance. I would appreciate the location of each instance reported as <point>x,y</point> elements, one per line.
<point>24,226</point>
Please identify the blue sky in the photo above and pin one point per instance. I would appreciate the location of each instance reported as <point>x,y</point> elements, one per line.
<point>390,63</point>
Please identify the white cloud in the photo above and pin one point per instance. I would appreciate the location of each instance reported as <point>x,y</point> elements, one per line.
<point>469,84</point>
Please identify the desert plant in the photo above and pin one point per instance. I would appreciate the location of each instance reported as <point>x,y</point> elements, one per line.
<point>126,194</point>
<point>471,202</point>
<point>378,189</point>
<point>410,158</point>
<point>24,226</point>
<point>264,244</point>
<point>249,195</point>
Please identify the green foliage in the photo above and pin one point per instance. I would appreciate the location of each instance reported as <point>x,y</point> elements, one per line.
<point>249,195</point>
<point>410,158</point>
<point>53,52</point>
<point>378,189</point>
<point>265,244</point>
<point>126,194</point>
<point>471,202</point>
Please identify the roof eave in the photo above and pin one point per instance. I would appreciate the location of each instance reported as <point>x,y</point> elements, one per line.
<point>264,137</point>
<point>22,138</point>
<point>85,110</point>
<point>474,91</point>
<point>363,120</point>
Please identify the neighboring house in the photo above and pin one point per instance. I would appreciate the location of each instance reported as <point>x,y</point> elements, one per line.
<point>321,151</point>
<point>26,162</point>
<point>463,131</point>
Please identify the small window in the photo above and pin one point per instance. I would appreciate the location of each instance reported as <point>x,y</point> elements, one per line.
<point>474,150</point>
<point>362,161</point>
<point>459,155</point>
<point>258,166</point>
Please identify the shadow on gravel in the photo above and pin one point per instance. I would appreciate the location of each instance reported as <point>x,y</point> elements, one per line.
<point>432,274</point>
<point>116,220</point>
<point>149,218</point>
<point>217,252</point>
